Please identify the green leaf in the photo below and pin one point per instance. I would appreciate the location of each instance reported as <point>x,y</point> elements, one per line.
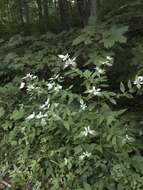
<point>78,40</point>
<point>122,87</point>
<point>2,112</point>
<point>87,186</point>
<point>137,162</point>
<point>129,96</point>
<point>14,143</point>
<point>88,41</point>
<point>66,125</point>
<point>120,112</point>
<point>110,119</point>
<point>87,74</point>
<point>17,114</point>
<point>114,141</point>
<point>113,101</point>
<point>120,187</point>
<point>129,84</point>
<point>113,35</point>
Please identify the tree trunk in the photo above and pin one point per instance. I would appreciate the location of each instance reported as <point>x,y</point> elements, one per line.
<point>20,12</point>
<point>94,9</point>
<point>9,17</point>
<point>39,4</point>
<point>26,11</point>
<point>25,16</point>
<point>45,14</point>
<point>64,15</point>
<point>84,9</point>
<point>40,13</point>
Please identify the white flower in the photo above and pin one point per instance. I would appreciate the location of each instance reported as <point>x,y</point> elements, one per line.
<point>50,86</point>
<point>22,85</point>
<point>64,57</point>
<point>47,102</point>
<point>57,88</point>
<point>40,115</point>
<point>109,58</point>
<point>29,76</point>
<point>138,81</point>
<point>94,91</point>
<point>21,106</point>
<point>54,77</point>
<point>99,70</point>
<point>31,116</point>
<point>34,77</point>
<point>70,62</point>
<point>108,61</point>
<point>67,60</point>
<point>67,64</point>
<point>83,106</point>
<point>128,138</point>
<point>87,131</point>
<point>54,87</point>
<point>46,105</point>
<point>85,155</point>
<point>65,161</point>
<point>30,87</point>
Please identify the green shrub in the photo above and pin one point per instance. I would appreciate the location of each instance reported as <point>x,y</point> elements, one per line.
<point>60,137</point>
<point>61,127</point>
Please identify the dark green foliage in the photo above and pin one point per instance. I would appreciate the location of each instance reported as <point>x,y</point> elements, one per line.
<point>50,152</point>
<point>75,121</point>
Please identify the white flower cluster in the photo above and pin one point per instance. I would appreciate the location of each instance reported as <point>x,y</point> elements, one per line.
<point>129,139</point>
<point>46,105</point>
<point>64,57</point>
<point>87,131</point>
<point>57,76</point>
<point>84,155</point>
<point>31,116</point>
<point>68,60</point>
<point>31,87</point>
<point>108,61</point>
<point>38,116</point>
<point>58,88</point>
<point>83,105</point>
<point>138,81</point>
<point>50,86</point>
<point>41,116</point>
<point>22,85</point>
<point>94,91</point>
<point>65,161</point>
<point>27,77</point>
<point>54,86</point>
<point>99,70</point>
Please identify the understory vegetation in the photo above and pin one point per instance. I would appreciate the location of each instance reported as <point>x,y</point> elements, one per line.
<point>71,96</point>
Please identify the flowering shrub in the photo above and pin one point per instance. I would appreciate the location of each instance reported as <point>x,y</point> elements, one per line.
<point>59,137</point>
